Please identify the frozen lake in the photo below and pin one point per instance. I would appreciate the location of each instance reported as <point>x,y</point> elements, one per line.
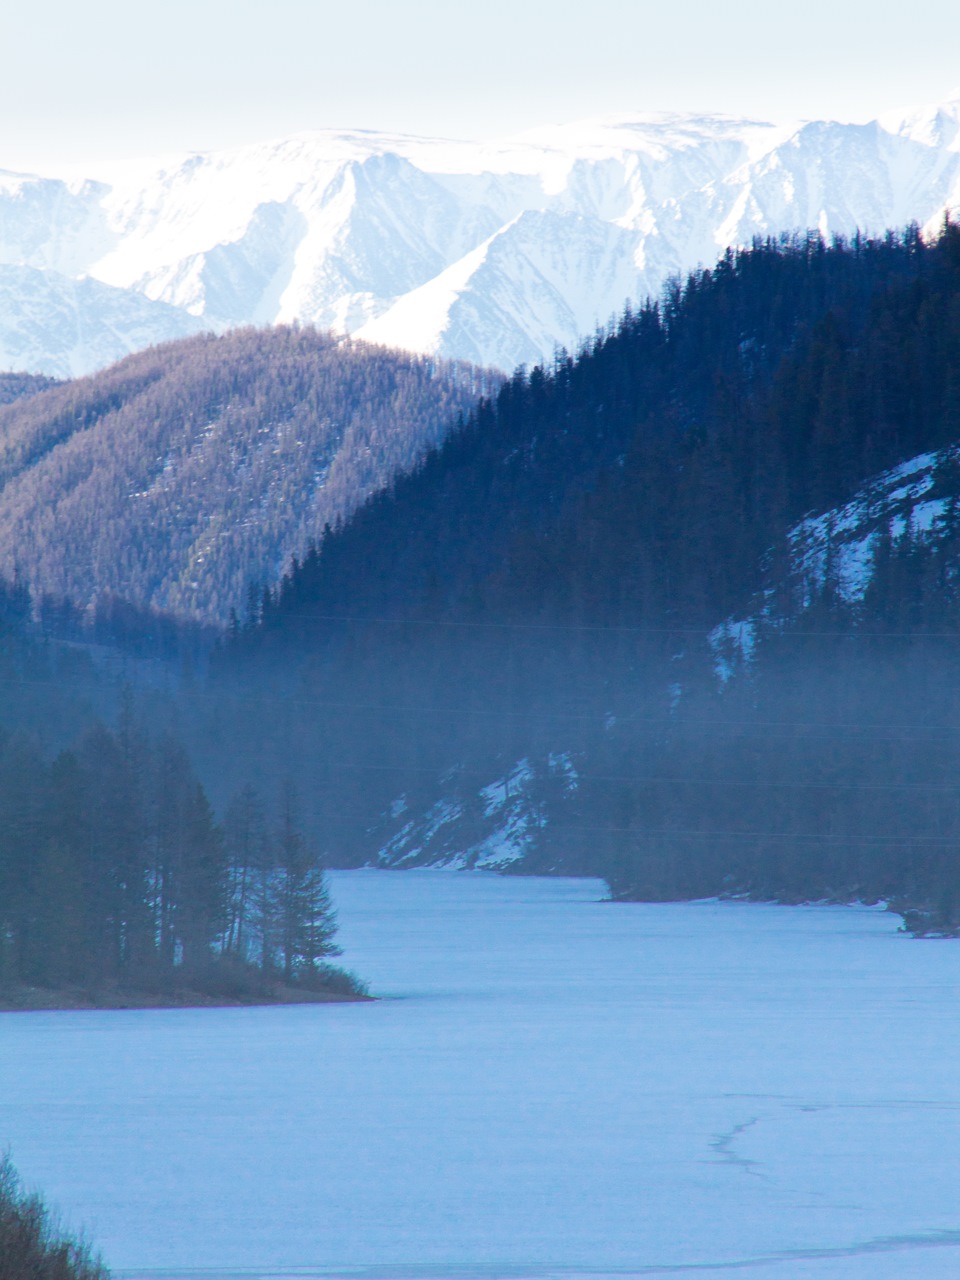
<point>557,1087</point>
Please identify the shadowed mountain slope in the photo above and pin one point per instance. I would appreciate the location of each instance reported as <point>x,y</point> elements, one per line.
<point>643,481</point>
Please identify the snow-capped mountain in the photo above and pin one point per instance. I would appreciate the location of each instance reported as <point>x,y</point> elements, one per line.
<point>51,323</point>
<point>494,252</point>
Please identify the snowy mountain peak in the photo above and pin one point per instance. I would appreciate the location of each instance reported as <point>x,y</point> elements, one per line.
<point>495,251</point>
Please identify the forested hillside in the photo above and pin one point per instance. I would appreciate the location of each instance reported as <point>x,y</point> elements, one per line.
<point>183,474</point>
<point>645,478</point>
<point>13,386</point>
<point>548,586</point>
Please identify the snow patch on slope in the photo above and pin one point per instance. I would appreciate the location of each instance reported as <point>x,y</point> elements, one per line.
<point>544,278</point>
<point>842,542</point>
<point>478,828</point>
<point>919,498</point>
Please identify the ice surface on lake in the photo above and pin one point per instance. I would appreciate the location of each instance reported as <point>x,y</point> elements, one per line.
<point>555,1087</point>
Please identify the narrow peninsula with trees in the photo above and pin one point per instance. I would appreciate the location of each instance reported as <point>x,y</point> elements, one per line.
<point>118,888</point>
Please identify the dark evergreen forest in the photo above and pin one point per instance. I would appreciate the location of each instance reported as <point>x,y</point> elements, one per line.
<point>15,386</point>
<point>548,578</point>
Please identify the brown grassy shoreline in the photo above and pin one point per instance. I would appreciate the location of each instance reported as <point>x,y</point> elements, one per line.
<point>25,999</point>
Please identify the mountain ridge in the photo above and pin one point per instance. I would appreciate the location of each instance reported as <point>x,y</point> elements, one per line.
<point>380,235</point>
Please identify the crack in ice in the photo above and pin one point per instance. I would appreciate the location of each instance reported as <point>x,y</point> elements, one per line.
<point>722,1144</point>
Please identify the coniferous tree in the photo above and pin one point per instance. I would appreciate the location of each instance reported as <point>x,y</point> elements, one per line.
<point>306,924</point>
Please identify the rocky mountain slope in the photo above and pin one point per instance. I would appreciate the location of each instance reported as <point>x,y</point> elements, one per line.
<point>492,252</point>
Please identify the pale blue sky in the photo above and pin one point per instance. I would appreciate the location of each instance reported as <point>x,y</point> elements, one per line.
<point>107,78</point>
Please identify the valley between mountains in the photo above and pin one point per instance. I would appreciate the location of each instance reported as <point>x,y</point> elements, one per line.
<point>582,508</point>
<point>677,611</point>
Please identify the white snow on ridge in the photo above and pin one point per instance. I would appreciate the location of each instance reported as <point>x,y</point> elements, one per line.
<point>843,541</point>
<point>493,251</point>
<point>543,274</point>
